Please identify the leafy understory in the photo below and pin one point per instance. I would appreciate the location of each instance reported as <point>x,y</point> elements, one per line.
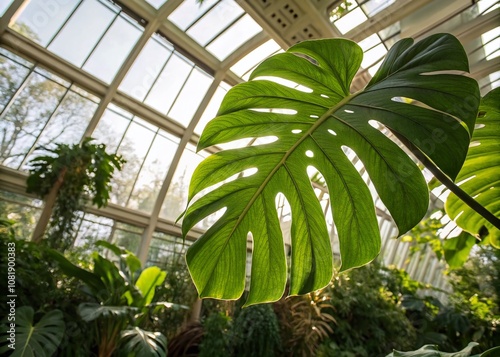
<point>416,95</point>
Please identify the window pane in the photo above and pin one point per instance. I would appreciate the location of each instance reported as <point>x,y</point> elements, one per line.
<point>82,32</point>
<point>41,19</point>
<point>351,20</point>
<point>212,107</point>
<point>256,56</point>
<point>374,6</point>
<point>111,128</point>
<point>168,84</point>
<point>145,69</point>
<point>68,123</point>
<point>112,50</point>
<point>215,21</point>
<point>188,12</point>
<point>234,37</point>
<point>12,74</point>
<point>23,121</point>
<point>128,236</point>
<point>24,211</point>
<point>176,198</point>
<point>133,148</point>
<point>153,172</point>
<point>91,229</point>
<point>190,97</point>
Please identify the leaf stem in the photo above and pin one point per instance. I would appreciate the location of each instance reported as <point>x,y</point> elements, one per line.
<point>445,180</point>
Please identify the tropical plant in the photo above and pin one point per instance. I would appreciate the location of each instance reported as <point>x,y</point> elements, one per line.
<point>256,332</point>
<point>123,306</point>
<point>32,339</point>
<point>412,99</point>
<point>66,177</point>
<point>305,321</point>
<point>480,172</point>
<point>215,341</point>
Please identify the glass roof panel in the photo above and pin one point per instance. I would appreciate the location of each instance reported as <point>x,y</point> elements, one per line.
<point>4,5</point>
<point>146,68</point>
<point>215,22</point>
<point>39,23</point>
<point>169,83</point>
<point>244,66</point>
<point>373,7</point>
<point>491,43</point>
<point>212,107</point>
<point>112,50</point>
<point>351,20</point>
<point>156,3</point>
<point>189,11</point>
<point>234,37</point>
<point>190,96</point>
<point>78,37</point>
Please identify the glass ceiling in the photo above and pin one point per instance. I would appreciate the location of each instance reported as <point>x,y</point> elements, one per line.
<point>144,77</point>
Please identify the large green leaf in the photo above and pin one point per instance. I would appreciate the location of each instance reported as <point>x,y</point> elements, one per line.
<point>35,339</point>
<point>312,125</point>
<point>90,311</point>
<point>147,282</point>
<point>481,173</point>
<point>137,342</point>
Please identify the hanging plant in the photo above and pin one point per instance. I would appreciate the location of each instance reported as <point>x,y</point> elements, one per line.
<point>67,178</point>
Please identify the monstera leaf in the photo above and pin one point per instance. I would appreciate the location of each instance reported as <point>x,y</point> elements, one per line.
<point>411,97</point>
<point>481,173</point>
<point>34,339</point>
<point>137,342</point>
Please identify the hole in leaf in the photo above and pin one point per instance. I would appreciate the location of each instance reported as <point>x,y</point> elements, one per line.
<point>313,116</point>
<point>250,172</point>
<point>332,132</point>
<point>275,110</point>
<point>309,153</point>
<point>265,140</point>
<point>348,111</point>
<point>465,180</point>
<point>324,96</point>
<point>296,131</point>
<point>474,144</point>
<point>209,220</point>
<point>481,114</point>
<point>375,124</point>
<point>479,126</point>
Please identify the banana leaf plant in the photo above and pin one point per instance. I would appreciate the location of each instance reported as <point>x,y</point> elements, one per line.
<point>123,292</point>
<point>419,97</point>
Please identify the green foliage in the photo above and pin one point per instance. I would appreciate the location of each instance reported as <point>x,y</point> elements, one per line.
<point>454,251</point>
<point>40,284</point>
<point>215,342</point>
<point>137,342</point>
<point>83,171</point>
<point>256,332</point>
<point>312,124</point>
<point>481,171</point>
<point>33,338</point>
<point>123,295</point>
<point>369,320</point>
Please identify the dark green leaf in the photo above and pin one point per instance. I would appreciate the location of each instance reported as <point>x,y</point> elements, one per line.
<point>35,339</point>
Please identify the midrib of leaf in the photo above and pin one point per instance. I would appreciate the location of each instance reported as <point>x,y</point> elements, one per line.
<point>28,338</point>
